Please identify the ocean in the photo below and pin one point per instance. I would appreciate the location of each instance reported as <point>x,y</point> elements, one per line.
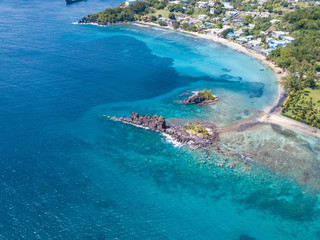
<point>69,173</point>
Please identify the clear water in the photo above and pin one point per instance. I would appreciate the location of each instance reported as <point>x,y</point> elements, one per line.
<point>66,173</point>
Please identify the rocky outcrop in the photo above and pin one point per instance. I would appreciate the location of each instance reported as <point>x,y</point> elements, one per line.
<point>153,123</point>
<point>203,97</point>
<point>201,135</point>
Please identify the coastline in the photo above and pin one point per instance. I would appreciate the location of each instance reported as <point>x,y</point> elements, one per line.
<point>271,114</point>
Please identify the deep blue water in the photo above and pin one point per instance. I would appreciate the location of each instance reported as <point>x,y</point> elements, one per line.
<point>66,173</point>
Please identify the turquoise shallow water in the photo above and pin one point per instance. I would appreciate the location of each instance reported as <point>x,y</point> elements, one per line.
<point>67,173</point>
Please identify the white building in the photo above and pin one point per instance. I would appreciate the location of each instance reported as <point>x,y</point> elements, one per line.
<point>130,2</point>
<point>265,14</point>
<point>253,14</point>
<point>242,39</point>
<point>278,34</point>
<point>227,6</point>
<point>202,4</point>
<point>163,19</point>
<point>273,21</point>
<point>202,17</point>
<point>174,2</point>
<point>288,39</point>
<point>231,13</point>
<point>250,37</point>
<point>251,26</point>
<point>254,43</point>
<point>238,33</point>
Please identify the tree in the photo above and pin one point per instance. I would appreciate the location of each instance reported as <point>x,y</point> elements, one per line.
<point>184,26</point>
<point>162,23</point>
<point>172,16</point>
<point>175,25</point>
<point>190,11</point>
<point>219,25</point>
<point>225,32</point>
<point>138,7</point>
<point>218,8</point>
<point>248,19</point>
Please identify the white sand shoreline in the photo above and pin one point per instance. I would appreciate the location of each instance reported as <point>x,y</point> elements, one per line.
<point>269,116</point>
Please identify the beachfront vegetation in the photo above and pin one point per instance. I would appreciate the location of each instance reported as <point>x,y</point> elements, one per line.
<point>302,60</point>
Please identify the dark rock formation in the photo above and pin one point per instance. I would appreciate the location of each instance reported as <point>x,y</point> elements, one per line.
<point>203,97</point>
<point>201,135</point>
<point>153,123</point>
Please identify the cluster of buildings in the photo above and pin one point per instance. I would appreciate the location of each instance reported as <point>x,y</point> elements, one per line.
<point>234,19</point>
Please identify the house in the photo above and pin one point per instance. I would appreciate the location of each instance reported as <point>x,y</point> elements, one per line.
<point>239,20</point>
<point>202,17</point>
<point>261,2</point>
<point>193,21</point>
<point>180,19</point>
<point>174,2</point>
<point>253,14</point>
<point>251,26</point>
<point>254,43</point>
<point>269,39</point>
<point>273,21</point>
<point>202,4</point>
<point>274,43</point>
<point>211,4</point>
<point>231,13</point>
<point>288,39</point>
<point>238,33</point>
<point>130,2</point>
<point>249,37</point>
<point>278,34</point>
<point>163,19</point>
<point>212,10</point>
<point>227,6</point>
<point>242,39</point>
<point>265,14</point>
<point>215,31</point>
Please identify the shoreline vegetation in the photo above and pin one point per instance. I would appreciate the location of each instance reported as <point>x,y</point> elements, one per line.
<point>275,114</point>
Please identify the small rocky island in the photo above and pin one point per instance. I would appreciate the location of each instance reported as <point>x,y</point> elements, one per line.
<point>200,135</point>
<point>201,98</point>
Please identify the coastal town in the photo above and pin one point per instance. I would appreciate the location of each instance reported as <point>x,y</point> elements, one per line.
<point>255,28</point>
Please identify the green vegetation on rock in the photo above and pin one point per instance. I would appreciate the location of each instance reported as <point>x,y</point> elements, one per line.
<point>206,94</point>
<point>198,129</point>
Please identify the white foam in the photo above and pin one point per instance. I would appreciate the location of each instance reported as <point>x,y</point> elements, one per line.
<point>172,141</point>
<point>94,24</point>
<point>140,25</point>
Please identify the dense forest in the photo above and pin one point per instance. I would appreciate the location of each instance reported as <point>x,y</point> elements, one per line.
<point>302,59</point>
